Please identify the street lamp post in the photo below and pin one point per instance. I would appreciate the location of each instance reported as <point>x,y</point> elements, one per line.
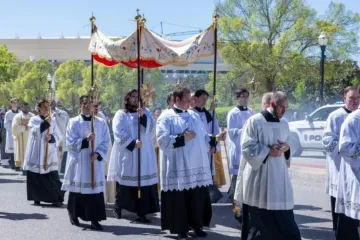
<point>322,42</point>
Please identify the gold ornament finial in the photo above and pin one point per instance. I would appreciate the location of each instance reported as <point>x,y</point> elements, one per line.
<point>216,16</point>
<point>138,16</point>
<point>143,20</point>
<point>92,19</point>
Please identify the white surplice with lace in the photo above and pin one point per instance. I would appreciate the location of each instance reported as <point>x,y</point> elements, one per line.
<point>185,167</point>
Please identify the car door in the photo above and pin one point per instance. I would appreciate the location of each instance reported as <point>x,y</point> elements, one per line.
<point>312,136</point>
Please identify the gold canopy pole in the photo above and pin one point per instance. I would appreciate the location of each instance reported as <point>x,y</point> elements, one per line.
<point>139,24</point>
<point>92,98</point>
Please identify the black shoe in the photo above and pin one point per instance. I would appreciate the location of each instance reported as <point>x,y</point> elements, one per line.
<point>18,169</point>
<point>117,214</point>
<point>57,204</point>
<point>183,236</point>
<point>74,221</point>
<point>24,173</point>
<point>96,226</point>
<point>200,233</point>
<point>142,219</point>
<point>37,203</point>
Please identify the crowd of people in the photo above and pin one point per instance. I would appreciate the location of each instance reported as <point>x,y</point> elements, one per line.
<point>173,156</point>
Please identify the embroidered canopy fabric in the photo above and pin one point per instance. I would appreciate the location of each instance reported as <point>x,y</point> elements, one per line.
<point>155,51</point>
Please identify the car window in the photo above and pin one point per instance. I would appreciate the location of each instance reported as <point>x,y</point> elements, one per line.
<point>323,114</point>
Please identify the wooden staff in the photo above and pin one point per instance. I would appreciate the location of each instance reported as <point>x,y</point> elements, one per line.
<point>49,99</point>
<point>92,184</point>
<point>215,193</point>
<point>216,17</point>
<point>138,30</point>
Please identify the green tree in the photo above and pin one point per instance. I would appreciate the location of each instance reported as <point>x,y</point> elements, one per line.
<point>195,82</point>
<point>227,84</point>
<point>267,36</point>
<point>31,83</point>
<point>9,68</point>
<point>68,81</point>
<point>338,75</point>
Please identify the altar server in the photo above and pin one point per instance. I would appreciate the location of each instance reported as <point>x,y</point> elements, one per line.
<point>41,158</point>
<point>9,144</point>
<point>236,119</point>
<point>263,186</point>
<point>348,192</point>
<point>184,168</point>
<point>331,144</point>
<point>124,160</point>
<point>200,99</point>
<point>86,201</point>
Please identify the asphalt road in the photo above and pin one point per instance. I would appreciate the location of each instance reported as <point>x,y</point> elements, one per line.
<point>19,219</point>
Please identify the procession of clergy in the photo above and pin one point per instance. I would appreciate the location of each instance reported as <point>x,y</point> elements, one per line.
<point>177,147</point>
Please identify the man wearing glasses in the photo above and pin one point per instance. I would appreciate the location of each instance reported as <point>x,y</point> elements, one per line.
<point>263,186</point>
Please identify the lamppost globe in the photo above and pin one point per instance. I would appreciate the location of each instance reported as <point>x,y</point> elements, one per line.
<point>323,40</point>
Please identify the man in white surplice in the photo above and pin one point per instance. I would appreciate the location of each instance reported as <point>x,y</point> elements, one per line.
<point>235,120</point>
<point>206,116</point>
<point>9,143</point>
<point>263,184</point>
<point>86,201</point>
<point>42,178</point>
<point>184,168</point>
<point>123,167</point>
<point>347,204</point>
<point>331,144</point>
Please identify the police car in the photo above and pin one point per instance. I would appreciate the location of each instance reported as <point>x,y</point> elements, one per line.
<point>307,134</point>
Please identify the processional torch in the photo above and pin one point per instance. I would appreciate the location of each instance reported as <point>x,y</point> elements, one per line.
<point>94,97</point>
<point>49,96</point>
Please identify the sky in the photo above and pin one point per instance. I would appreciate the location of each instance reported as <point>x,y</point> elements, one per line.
<point>28,18</point>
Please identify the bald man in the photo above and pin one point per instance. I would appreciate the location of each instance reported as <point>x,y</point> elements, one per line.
<point>264,186</point>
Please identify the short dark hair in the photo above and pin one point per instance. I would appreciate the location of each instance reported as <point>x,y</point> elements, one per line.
<point>240,91</point>
<point>168,98</point>
<point>157,109</point>
<point>83,98</point>
<point>41,102</point>
<point>24,104</point>
<point>201,92</point>
<point>180,92</point>
<point>350,88</point>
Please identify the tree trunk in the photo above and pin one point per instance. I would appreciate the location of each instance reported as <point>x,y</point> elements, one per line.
<point>269,82</point>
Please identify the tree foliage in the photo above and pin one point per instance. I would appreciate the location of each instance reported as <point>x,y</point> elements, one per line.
<point>69,79</point>
<point>31,83</point>
<point>268,36</point>
<point>9,68</point>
